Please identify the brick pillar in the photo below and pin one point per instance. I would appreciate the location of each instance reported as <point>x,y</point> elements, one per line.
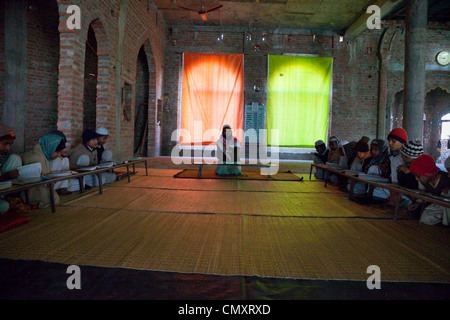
<point>118,85</point>
<point>415,55</point>
<point>71,85</point>
<point>16,66</point>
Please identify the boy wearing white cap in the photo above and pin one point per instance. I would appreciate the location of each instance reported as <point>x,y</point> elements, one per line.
<point>104,155</point>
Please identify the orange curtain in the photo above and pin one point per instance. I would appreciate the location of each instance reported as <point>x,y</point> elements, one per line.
<point>212,97</point>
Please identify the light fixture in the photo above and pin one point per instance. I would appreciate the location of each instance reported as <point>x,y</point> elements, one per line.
<point>314,38</point>
<point>264,36</point>
<point>249,36</point>
<point>341,38</point>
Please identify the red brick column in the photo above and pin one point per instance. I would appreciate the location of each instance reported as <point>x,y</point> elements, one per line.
<point>71,81</point>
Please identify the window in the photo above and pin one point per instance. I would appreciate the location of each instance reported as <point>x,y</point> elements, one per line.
<point>298,100</point>
<point>212,97</point>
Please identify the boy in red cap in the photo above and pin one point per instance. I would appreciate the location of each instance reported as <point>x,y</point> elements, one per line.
<point>434,181</point>
<point>396,138</point>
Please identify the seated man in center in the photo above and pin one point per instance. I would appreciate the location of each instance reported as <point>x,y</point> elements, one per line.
<point>228,152</point>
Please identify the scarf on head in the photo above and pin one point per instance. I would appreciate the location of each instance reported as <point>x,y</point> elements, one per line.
<point>334,155</point>
<point>49,143</point>
<point>383,148</point>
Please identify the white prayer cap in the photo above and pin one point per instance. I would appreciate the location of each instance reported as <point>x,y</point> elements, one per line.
<point>102,131</point>
<point>319,143</point>
<point>334,138</point>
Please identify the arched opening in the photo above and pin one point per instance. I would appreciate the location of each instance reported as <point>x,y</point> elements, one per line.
<point>90,81</point>
<point>141,124</point>
<point>152,135</point>
<point>437,106</point>
<point>397,111</point>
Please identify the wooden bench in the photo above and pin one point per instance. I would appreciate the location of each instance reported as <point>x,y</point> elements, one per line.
<point>417,194</point>
<point>50,182</point>
<point>200,166</point>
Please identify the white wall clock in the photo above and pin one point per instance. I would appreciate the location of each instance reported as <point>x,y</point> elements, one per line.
<point>443,58</point>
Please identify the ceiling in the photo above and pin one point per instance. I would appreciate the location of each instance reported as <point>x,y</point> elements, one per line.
<point>438,11</point>
<point>331,15</point>
<point>325,15</point>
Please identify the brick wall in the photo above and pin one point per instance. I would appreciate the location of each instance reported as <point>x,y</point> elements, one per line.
<point>42,73</point>
<point>56,67</point>
<point>355,76</point>
<point>356,71</point>
<point>2,55</point>
<point>117,65</point>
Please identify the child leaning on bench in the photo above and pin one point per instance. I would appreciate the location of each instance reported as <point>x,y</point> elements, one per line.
<point>434,181</point>
<point>8,162</point>
<point>48,153</point>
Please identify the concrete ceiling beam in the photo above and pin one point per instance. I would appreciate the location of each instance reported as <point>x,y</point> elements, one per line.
<point>360,25</point>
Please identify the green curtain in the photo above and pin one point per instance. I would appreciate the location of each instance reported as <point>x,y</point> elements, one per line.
<point>298,100</point>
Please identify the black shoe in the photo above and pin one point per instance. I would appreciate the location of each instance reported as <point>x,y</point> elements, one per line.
<point>415,214</point>
<point>63,192</point>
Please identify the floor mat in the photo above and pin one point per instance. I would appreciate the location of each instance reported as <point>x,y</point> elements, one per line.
<point>246,175</point>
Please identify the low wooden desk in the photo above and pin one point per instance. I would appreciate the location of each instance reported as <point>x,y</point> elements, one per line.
<point>50,182</point>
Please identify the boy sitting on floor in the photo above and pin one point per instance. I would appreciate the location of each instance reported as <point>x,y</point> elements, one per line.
<point>434,181</point>
<point>48,149</point>
<point>320,157</point>
<point>410,151</point>
<point>362,154</point>
<point>8,168</point>
<point>104,155</point>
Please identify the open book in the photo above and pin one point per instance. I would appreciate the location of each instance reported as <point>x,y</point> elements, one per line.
<point>352,172</point>
<point>29,173</point>
<point>373,177</point>
<point>88,168</point>
<point>335,166</point>
<point>57,174</point>
<point>106,164</point>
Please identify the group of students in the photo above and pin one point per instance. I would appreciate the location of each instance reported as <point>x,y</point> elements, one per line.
<point>51,153</point>
<point>398,160</point>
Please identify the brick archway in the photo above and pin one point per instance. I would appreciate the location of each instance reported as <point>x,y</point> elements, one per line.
<point>104,76</point>
<point>71,78</point>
